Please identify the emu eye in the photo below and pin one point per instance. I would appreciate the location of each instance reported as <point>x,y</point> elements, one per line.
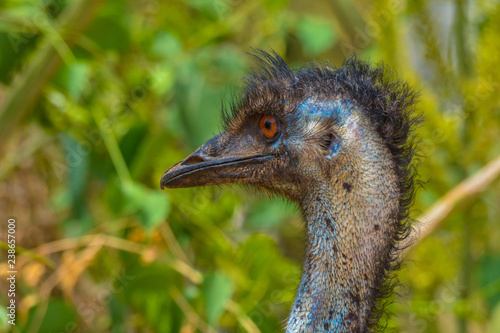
<point>268,126</point>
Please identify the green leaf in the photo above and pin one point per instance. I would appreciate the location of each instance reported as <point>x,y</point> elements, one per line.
<point>73,78</point>
<point>14,46</point>
<point>59,317</point>
<point>78,164</point>
<point>166,45</point>
<point>495,320</point>
<point>488,274</point>
<point>146,291</point>
<point>217,289</point>
<point>109,34</point>
<point>267,214</point>
<point>152,207</point>
<point>3,323</point>
<point>77,77</point>
<point>131,142</point>
<point>316,35</point>
<point>211,9</point>
<point>118,314</point>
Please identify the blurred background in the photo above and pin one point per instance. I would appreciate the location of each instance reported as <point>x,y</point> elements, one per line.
<point>98,98</point>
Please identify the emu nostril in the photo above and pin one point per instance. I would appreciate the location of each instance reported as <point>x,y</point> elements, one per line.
<point>193,159</point>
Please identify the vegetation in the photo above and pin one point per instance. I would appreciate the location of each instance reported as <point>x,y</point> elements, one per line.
<point>98,98</point>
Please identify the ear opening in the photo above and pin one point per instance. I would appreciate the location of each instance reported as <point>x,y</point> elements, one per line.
<point>326,141</point>
<point>330,143</point>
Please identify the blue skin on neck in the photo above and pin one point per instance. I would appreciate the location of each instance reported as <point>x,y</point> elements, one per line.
<point>313,294</point>
<point>322,236</point>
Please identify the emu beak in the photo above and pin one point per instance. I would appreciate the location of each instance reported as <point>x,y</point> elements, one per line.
<point>220,160</point>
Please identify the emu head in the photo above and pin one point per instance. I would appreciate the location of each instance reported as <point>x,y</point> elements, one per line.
<point>296,132</point>
<point>339,142</point>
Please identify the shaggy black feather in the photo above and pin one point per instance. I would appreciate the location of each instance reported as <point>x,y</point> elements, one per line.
<point>389,104</point>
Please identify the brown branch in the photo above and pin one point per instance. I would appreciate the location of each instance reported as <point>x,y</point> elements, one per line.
<point>245,321</point>
<point>172,243</point>
<point>473,185</point>
<point>194,320</point>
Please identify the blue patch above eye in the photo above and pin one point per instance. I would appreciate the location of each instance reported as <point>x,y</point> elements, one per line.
<point>334,148</point>
<point>313,108</point>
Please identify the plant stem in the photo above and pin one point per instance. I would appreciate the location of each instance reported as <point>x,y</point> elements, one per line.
<point>27,86</point>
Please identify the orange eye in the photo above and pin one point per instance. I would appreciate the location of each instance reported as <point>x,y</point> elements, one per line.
<point>268,126</point>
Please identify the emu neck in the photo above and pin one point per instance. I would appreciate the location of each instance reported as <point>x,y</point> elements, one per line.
<point>350,233</point>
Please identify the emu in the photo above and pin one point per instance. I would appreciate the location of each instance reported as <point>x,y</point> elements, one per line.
<point>339,142</point>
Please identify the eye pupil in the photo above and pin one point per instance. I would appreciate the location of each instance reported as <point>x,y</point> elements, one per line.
<point>268,126</point>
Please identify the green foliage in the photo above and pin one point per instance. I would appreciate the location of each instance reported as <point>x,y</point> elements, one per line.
<point>59,316</point>
<point>217,290</point>
<point>141,87</point>
<point>316,35</point>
